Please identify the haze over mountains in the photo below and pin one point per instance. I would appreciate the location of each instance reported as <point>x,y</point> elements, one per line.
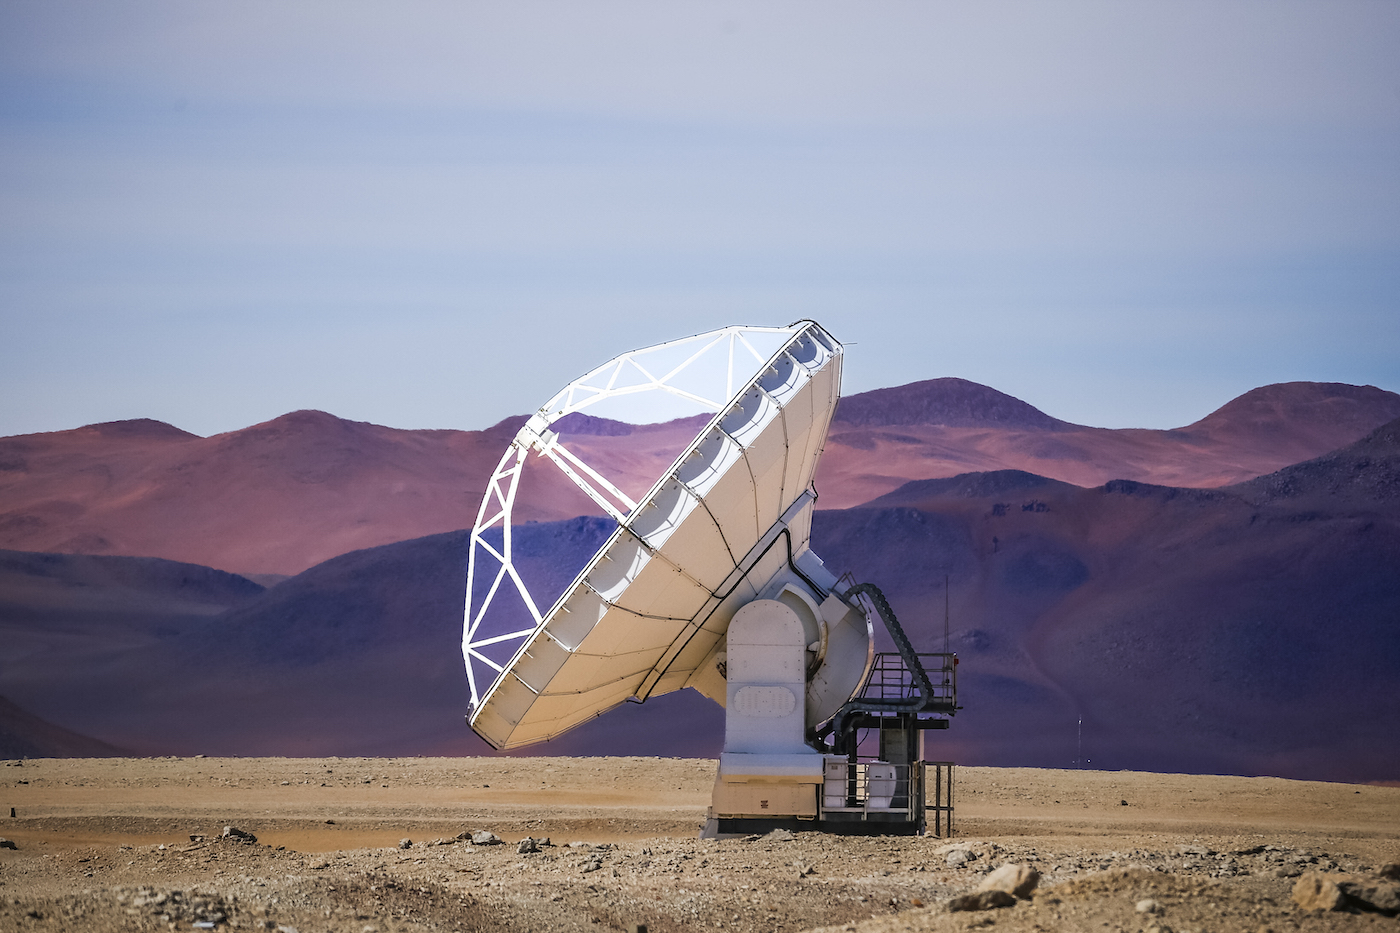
<point>1250,624</point>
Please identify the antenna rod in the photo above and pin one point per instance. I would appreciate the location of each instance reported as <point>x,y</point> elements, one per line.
<point>945,613</point>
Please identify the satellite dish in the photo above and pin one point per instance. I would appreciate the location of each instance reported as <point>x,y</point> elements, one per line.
<point>596,577</point>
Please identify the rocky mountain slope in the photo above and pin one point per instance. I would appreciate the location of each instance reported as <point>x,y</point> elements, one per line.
<point>1249,629</point>
<point>23,735</point>
<point>1237,630</point>
<point>880,440</point>
<point>280,497</point>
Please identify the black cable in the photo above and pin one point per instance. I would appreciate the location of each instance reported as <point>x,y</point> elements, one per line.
<point>786,534</point>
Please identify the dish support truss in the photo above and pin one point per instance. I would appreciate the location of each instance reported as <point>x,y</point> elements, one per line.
<point>720,372</point>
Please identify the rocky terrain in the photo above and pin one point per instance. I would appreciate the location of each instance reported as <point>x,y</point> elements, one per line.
<point>589,844</point>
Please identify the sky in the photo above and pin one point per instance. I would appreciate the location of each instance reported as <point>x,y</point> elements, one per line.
<point>434,215</point>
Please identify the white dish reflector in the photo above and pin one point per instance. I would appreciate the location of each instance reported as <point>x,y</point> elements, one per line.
<point>567,619</point>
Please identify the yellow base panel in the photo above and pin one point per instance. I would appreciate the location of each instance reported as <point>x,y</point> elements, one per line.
<point>764,800</point>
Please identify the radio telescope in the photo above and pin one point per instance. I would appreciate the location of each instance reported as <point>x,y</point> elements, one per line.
<point>599,575</point>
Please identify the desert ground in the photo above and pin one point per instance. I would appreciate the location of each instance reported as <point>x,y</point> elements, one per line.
<point>379,845</point>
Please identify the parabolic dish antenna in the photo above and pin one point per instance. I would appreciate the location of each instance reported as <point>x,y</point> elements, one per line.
<point>647,530</point>
<point>646,610</point>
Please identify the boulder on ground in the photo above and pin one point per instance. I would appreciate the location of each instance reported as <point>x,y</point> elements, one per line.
<point>1015,879</point>
<point>1316,891</point>
<point>957,858</point>
<point>1378,894</point>
<point>233,832</point>
<point>484,838</point>
<point>981,900</point>
<point>1334,891</point>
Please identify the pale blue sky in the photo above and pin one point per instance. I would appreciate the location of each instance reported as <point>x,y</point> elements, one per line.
<point>434,215</point>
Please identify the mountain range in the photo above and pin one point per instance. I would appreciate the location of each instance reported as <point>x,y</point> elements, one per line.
<point>279,497</point>
<point>1243,617</point>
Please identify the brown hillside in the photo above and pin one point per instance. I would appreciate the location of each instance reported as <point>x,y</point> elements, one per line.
<point>954,426</point>
<point>279,497</point>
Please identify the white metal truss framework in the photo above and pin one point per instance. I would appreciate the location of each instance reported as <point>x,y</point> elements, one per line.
<point>711,371</point>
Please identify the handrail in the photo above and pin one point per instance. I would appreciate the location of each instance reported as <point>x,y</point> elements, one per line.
<point>926,700</point>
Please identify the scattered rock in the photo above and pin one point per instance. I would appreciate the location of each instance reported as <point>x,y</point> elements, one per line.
<point>592,865</point>
<point>233,832</point>
<point>1013,878</point>
<point>7,844</point>
<point>204,911</point>
<point>527,846</point>
<point>484,838</point>
<point>981,900</point>
<point>1148,906</point>
<point>957,858</point>
<point>1389,871</point>
<point>1122,803</point>
<point>780,835</point>
<point>405,843</point>
<point>317,866</point>
<point>1316,891</point>
<point>803,869</point>
<point>196,837</point>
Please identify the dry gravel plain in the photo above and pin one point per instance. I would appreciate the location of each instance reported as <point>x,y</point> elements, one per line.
<point>372,846</point>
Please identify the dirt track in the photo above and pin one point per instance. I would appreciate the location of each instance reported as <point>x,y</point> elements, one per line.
<point>106,844</point>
